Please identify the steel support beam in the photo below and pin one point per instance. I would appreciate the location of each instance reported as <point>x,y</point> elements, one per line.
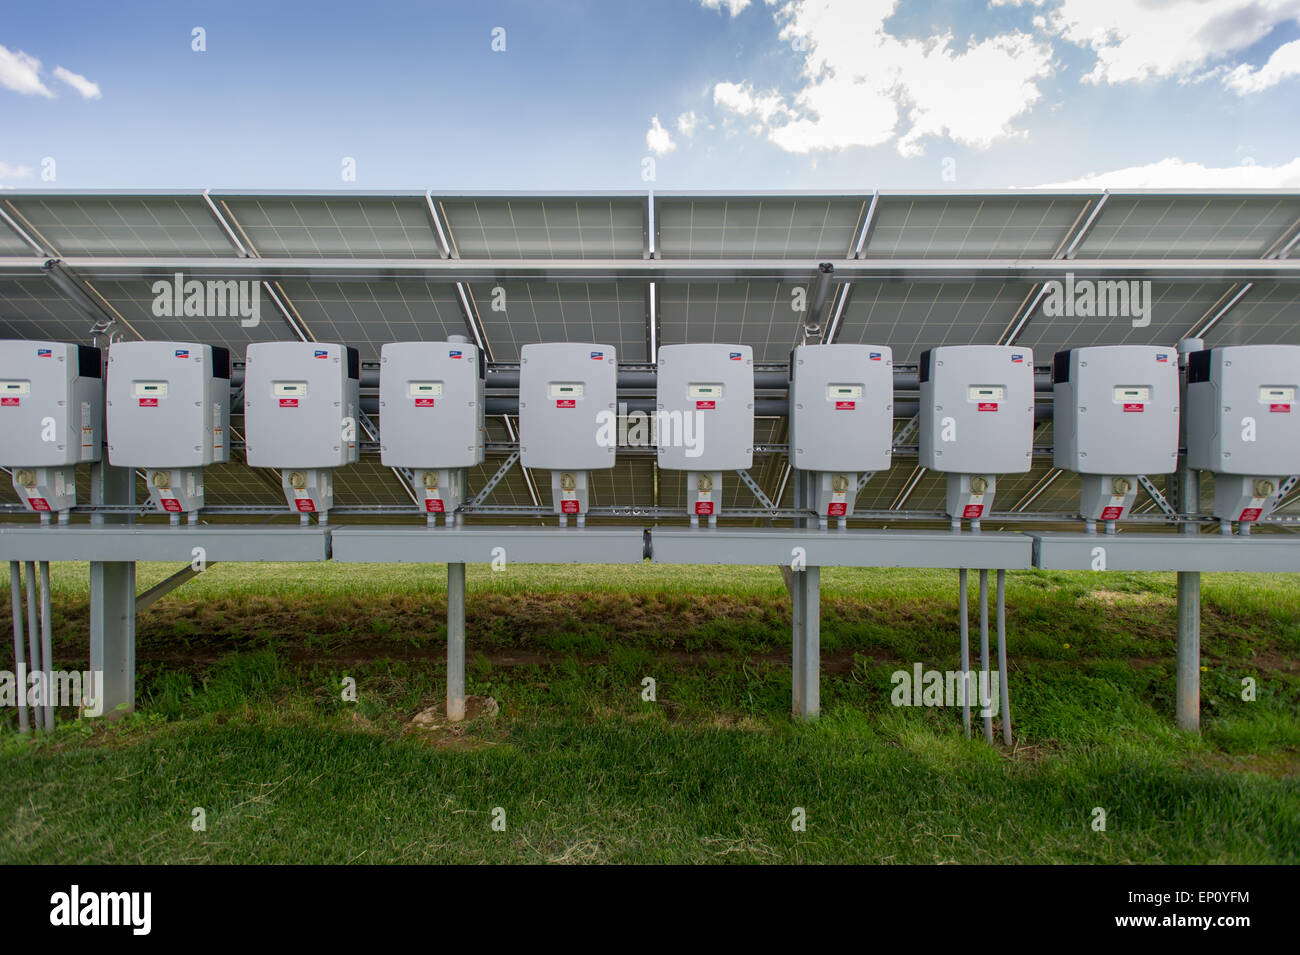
<point>112,602</point>
<point>1189,651</point>
<point>1188,664</point>
<point>762,546</point>
<point>99,543</point>
<point>101,316</point>
<point>1199,271</point>
<point>18,230</point>
<point>1258,553</point>
<point>161,589</point>
<point>488,544</point>
<point>455,642</point>
<point>806,625</point>
<point>1157,497</point>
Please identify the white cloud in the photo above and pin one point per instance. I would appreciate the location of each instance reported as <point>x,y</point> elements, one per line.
<point>1174,173</point>
<point>21,73</point>
<point>860,83</point>
<point>741,98</point>
<point>87,88</point>
<point>14,172</point>
<point>973,97</point>
<point>1169,38</point>
<point>733,6</point>
<point>687,123</point>
<point>1284,63</point>
<point>658,139</point>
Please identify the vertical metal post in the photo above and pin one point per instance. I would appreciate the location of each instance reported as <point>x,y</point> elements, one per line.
<point>797,496</point>
<point>1188,667</point>
<point>1189,651</point>
<point>34,642</point>
<point>798,626</point>
<point>985,678</point>
<point>812,654</point>
<point>47,646</point>
<point>20,653</point>
<point>807,643</point>
<point>455,642</point>
<point>963,613</point>
<point>112,605</point>
<point>805,614</point>
<point>1004,694</point>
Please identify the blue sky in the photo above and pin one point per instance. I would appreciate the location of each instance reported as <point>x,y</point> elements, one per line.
<point>853,94</point>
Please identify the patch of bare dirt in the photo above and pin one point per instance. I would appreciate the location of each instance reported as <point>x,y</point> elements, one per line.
<point>435,717</point>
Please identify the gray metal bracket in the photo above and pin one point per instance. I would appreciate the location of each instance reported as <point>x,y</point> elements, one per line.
<point>1161,501</point>
<point>750,483</point>
<point>496,479</point>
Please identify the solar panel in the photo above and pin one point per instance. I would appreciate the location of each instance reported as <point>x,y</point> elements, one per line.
<point>123,226</point>
<point>1192,227</point>
<point>34,308</point>
<point>911,317</point>
<point>1266,315</point>
<point>538,228</point>
<point>708,227</point>
<point>757,313</point>
<point>514,314</point>
<point>136,303</point>
<point>366,315</point>
<point>235,483</point>
<point>1176,309</point>
<point>397,227</point>
<point>970,227</point>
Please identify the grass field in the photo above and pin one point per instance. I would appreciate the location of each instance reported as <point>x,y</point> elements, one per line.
<point>240,713</point>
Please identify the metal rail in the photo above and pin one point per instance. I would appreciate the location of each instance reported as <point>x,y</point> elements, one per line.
<point>635,510</point>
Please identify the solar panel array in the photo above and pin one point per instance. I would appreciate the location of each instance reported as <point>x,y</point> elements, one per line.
<point>190,229</point>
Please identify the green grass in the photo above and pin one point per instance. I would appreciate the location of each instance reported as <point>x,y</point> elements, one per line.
<point>240,713</point>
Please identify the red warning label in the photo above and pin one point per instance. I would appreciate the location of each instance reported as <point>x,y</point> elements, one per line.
<point>845,405</point>
<point>566,403</point>
<point>1275,409</point>
<point>1251,514</point>
<point>38,503</point>
<point>703,507</point>
<point>148,402</point>
<point>705,405</point>
<point>972,511</point>
<point>9,402</point>
<point>569,507</point>
<point>424,402</point>
<point>1112,513</point>
<point>305,504</point>
<point>1134,406</point>
<point>170,504</point>
<point>434,505</point>
<point>837,509</point>
<point>288,402</point>
<point>988,406</point>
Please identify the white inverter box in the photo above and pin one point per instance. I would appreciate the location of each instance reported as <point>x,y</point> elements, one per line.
<point>431,404</point>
